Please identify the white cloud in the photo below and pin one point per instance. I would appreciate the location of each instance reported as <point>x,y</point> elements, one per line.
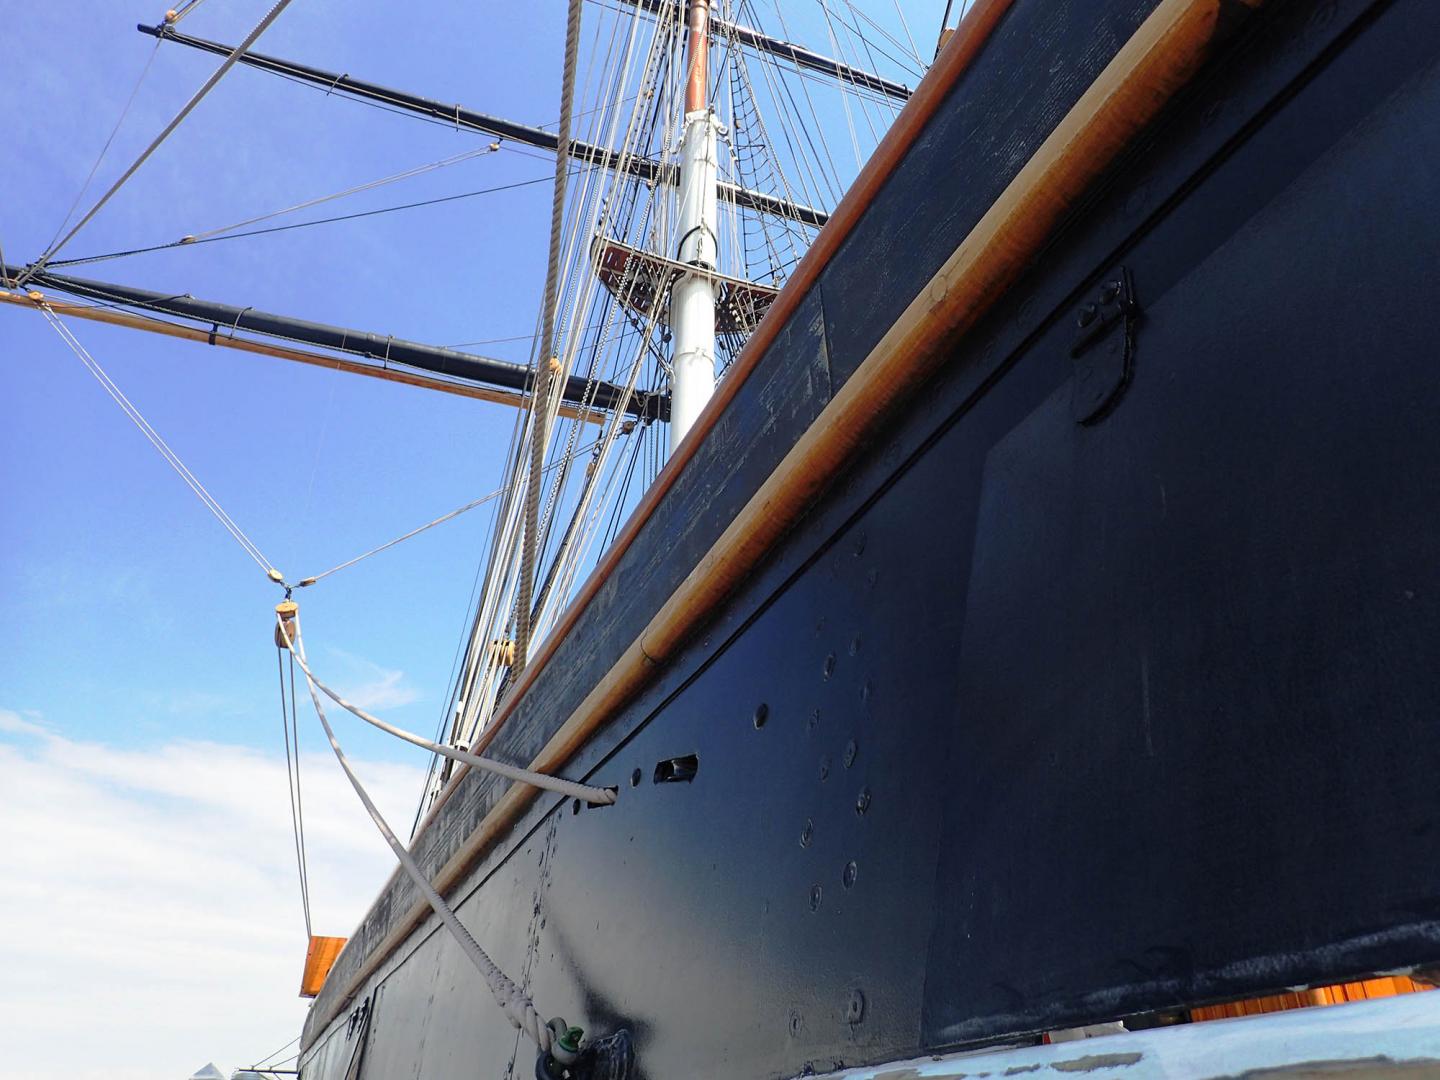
<point>368,685</point>
<point>150,897</point>
<point>14,724</point>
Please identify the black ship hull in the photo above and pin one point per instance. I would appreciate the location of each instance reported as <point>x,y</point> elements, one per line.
<point>1101,682</point>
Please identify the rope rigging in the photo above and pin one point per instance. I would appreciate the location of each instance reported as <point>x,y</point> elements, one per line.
<point>540,408</point>
<point>595,796</point>
<point>208,239</point>
<point>104,150</point>
<point>175,14</point>
<point>570,521</point>
<point>553,1037</point>
<point>290,728</point>
<point>418,170</point>
<point>171,458</point>
<point>312,579</point>
<point>186,110</point>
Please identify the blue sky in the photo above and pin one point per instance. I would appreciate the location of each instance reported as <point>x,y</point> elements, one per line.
<point>138,700</point>
<point>111,568</point>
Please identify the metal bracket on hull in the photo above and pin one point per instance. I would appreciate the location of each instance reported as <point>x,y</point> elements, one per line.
<point>1104,349</point>
<point>610,1058</point>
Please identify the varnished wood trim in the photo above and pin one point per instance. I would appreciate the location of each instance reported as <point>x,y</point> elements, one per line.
<point>281,352</point>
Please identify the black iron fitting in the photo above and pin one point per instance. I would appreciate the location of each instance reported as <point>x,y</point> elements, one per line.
<point>1103,348</point>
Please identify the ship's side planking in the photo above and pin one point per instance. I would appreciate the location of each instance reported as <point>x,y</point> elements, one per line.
<point>1029,722</point>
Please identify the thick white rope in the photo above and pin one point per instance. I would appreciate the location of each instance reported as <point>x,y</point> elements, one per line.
<point>513,1001</point>
<point>595,796</point>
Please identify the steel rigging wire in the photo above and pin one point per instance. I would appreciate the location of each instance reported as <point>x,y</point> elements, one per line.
<point>124,112</point>
<point>298,224</point>
<point>208,500</point>
<point>291,731</point>
<point>199,95</point>
<point>171,458</point>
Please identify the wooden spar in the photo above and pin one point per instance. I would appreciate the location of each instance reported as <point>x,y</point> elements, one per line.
<point>461,117</point>
<point>697,80</point>
<point>334,363</point>
<point>1157,61</point>
<point>387,350</point>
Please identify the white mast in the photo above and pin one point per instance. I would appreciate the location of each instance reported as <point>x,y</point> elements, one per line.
<point>692,297</point>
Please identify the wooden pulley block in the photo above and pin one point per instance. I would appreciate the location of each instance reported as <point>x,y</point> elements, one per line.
<point>287,612</point>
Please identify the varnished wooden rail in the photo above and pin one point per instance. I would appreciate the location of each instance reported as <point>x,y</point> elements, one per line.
<point>282,352</point>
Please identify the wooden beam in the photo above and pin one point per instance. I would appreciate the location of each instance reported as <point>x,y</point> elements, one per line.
<point>281,352</point>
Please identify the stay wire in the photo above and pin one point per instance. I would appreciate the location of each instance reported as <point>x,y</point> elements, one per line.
<point>306,582</point>
<point>124,112</point>
<point>299,789</point>
<point>296,225</point>
<point>285,713</point>
<point>186,110</point>
<point>185,9</point>
<point>266,1060</point>
<point>357,189</point>
<point>171,458</point>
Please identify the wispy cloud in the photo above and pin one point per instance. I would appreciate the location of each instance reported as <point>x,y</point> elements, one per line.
<point>155,892</point>
<point>367,684</point>
<point>14,724</point>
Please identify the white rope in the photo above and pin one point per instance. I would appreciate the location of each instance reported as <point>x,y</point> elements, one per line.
<point>171,458</point>
<point>595,796</point>
<point>513,1001</point>
<point>196,98</point>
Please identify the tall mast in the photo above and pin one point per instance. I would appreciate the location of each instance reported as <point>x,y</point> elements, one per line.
<point>692,297</point>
